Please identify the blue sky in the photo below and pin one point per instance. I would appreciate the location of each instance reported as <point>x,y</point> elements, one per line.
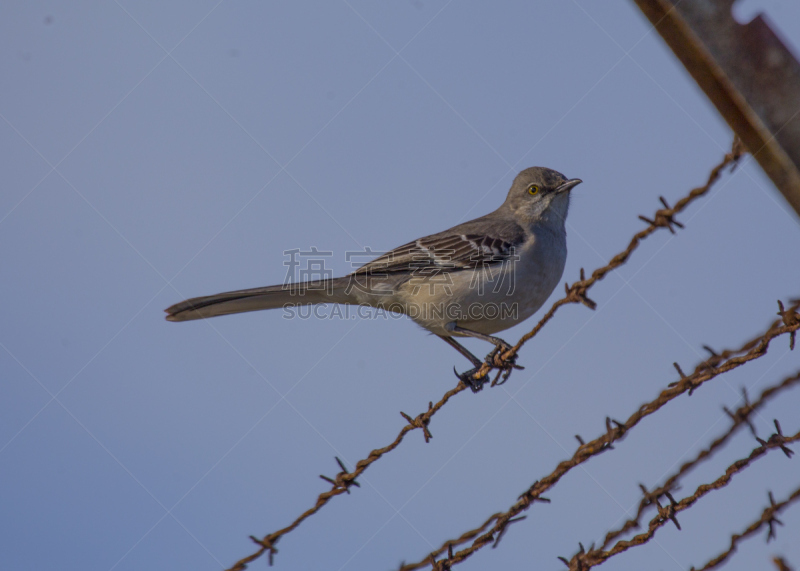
<point>153,152</point>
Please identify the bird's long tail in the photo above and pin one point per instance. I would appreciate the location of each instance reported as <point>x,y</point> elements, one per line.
<point>270,297</point>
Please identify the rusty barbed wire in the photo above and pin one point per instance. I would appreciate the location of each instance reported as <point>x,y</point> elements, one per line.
<point>343,480</point>
<point>738,418</point>
<point>576,293</point>
<point>585,560</point>
<point>767,518</point>
<point>716,365</point>
<point>781,564</point>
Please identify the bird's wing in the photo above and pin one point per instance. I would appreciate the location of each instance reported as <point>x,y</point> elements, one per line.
<point>451,250</point>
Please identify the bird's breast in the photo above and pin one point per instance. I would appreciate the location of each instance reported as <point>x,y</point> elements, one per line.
<point>538,271</point>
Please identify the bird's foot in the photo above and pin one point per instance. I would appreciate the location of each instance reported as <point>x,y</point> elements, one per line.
<point>476,377</point>
<point>503,365</point>
<point>471,380</point>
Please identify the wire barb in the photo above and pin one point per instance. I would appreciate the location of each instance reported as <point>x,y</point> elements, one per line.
<point>668,512</point>
<point>505,527</point>
<point>343,480</point>
<point>778,439</point>
<point>420,421</point>
<point>790,317</point>
<point>664,218</point>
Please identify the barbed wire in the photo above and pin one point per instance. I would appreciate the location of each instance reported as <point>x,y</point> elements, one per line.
<point>712,367</point>
<point>739,418</point>
<point>503,363</point>
<point>767,518</point>
<point>585,560</point>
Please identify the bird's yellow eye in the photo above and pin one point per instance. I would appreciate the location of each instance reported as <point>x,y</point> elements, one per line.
<point>533,189</point>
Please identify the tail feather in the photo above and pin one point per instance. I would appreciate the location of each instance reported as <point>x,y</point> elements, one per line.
<point>270,297</point>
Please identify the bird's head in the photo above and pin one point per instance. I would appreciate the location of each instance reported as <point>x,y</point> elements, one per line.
<point>538,193</point>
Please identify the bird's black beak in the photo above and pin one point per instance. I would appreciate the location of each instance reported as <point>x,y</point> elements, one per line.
<point>569,185</point>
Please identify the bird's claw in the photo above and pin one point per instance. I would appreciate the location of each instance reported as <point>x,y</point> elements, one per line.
<point>495,360</point>
<point>469,379</point>
<point>504,366</point>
